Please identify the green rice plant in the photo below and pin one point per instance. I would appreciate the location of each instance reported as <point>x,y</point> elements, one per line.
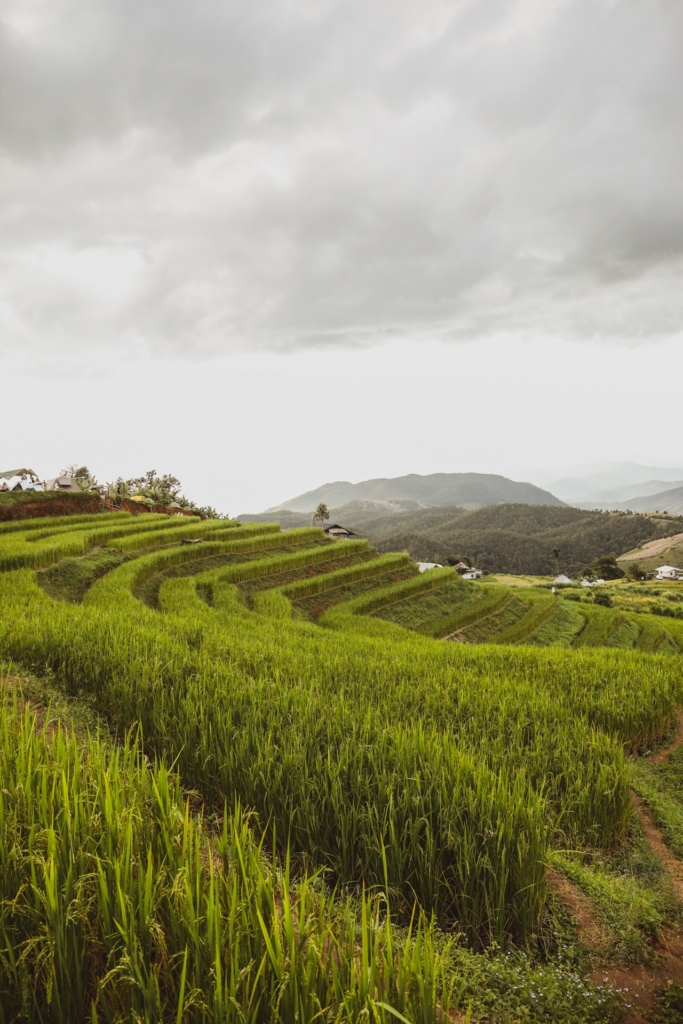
<point>273,603</point>
<point>318,584</point>
<point>131,522</point>
<point>186,528</point>
<point>368,603</point>
<point>652,634</point>
<point>277,602</point>
<point>560,629</point>
<point>478,629</point>
<point>542,606</point>
<point>281,563</point>
<point>483,602</point>
<point>625,633</point>
<point>440,770</point>
<point>18,551</point>
<point>119,584</point>
<point>118,903</point>
<point>599,624</point>
<point>43,522</point>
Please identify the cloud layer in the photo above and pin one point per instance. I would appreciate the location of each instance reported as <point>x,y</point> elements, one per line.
<point>195,179</point>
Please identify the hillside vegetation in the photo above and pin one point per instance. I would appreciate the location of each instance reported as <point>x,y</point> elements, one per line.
<point>513,538</point>
<point>339,817</point>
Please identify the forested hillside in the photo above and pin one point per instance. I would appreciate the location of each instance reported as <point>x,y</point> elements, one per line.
<point>514,538</point>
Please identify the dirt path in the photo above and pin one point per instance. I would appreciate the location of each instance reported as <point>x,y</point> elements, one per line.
<point>664,755</point>
<point>589,927</point>
<point>639,984</point>
<point>642,983</point>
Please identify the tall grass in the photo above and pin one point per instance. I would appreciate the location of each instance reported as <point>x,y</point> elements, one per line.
<point>328,581</point>
<point>28,525</point>
<point>368,603</point>
<point>349,744</point>
<point>542,605</point>
<point>119,902</point>
<point>321,553</point>
<point>440,771</point>
<point>47,546</point>
<point>483,601</point>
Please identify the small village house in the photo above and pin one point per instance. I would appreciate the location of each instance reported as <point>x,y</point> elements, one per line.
<point>19,480</point>
<point>338,532</point>
<point>64,484</point>
<point>669,572</point>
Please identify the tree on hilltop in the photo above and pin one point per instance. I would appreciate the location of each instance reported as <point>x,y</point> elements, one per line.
<point>321,513</point>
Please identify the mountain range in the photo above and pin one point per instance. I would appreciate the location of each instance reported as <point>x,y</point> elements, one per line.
<point>670,501</point>
<point>466,490</point>
<point>605,484</point>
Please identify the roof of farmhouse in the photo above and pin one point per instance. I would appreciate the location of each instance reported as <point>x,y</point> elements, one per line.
<point>8,473</point>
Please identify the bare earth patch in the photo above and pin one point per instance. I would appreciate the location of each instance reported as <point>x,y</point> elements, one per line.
<point>638,983</point>
<point>589,927</point>
<point>652,548</point>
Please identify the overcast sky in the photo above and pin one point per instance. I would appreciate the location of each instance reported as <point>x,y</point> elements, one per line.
<point>243,242</point>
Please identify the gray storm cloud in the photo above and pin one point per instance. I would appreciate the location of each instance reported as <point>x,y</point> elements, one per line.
<point>196,178</point>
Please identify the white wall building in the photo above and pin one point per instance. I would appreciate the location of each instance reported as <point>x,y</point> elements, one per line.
<point>669,572</point>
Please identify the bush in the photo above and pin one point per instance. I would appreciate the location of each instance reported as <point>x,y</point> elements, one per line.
<point>606,568</point>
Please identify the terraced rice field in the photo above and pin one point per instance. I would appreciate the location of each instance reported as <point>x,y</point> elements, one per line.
<point>323,811</point>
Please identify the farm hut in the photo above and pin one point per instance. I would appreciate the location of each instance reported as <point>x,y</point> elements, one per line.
<point>562,579</point>
<point>669,572</point>
<point>423,566</point>
<point>64,484</point>
<point>338,532</point>
<point>19,480</point>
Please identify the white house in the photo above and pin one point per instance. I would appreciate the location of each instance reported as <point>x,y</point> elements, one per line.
<point>19,480</point>
<point>423,566</point>
<point>472,574</point>
<point>669,572</point>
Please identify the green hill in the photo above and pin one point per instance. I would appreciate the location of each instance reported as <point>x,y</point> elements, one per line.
<point>513,538</point>
<point>471,490</point>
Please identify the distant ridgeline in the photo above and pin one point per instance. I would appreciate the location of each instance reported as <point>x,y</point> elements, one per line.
<point>469,490</point>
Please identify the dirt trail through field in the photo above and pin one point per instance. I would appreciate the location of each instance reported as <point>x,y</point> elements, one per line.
<point>665,754</point>
<point>589,927</point>
<point>642,983</point>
